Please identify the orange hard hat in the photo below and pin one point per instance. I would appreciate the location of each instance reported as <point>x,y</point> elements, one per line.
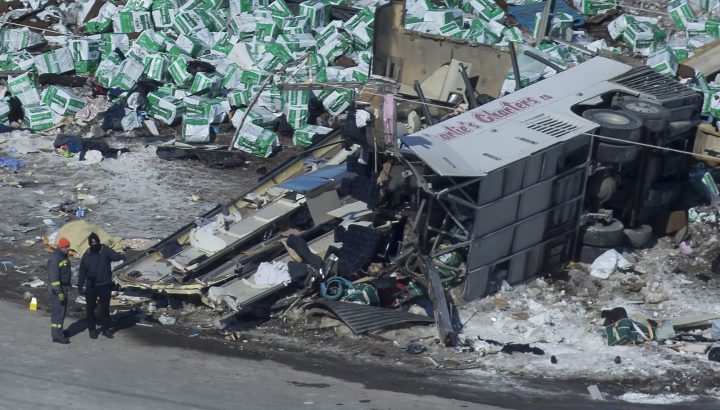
<point>63,243</point>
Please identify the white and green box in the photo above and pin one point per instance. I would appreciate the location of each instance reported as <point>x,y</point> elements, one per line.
<point>138,4</point>
<point>21,83</point>
<point>303,136</point>
<point>62,101</point>
<point>211,19</point>
<point>178,70</point>
<point>451,29</point>
<point>680,12</point>
<point>20,60</point>
<point>111,41</point>
<point>243,25</point>
<point>127,74</point>
<point>16,39</point>
<point>231,77</point>
<point>164,108</point>
<point>317,12</point>
<point>298,43</point>
<point>151,41</point>
<point>132,21</point>
<point>215,109</point>
<point>695,27</point>
<point>85,55</point>
<point>55,62</point>
<point>187,45</point>
<point>334,47</point>
<point>196,128</point>
<point>256,140</point>
<point>106,72</point>
<point>266,30</point>
<point>486,10</point>
<point>187,22</point>
<point>156,67</point>
<point>337,102</point>
<point>638,36</point>
<point>4,112</point>
<point>163,13</point>
<point>296,25</point>
<point>595,7</point>
<point>663,61</point>
<point>240,98</point>
<point>712,26</point>
<point>617,27</point>
<point>274,57</point>
<point>258,115</point>
<point>242,6</point>
<point>23,87</point>
<point>38,117</point>
<point>204,82</point>
<point>297,115</point>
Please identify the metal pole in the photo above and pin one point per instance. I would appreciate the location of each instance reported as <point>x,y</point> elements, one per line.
<point>515,66</point>
<point>425,109</point>
<point>543,60</point>
<point>469,90</point>
<point>543,26</point>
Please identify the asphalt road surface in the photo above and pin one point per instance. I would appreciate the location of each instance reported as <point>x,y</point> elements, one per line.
<point>126,372</point>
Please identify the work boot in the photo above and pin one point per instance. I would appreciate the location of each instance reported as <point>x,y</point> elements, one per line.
<point>61,340</point>
<point>107,333</point>
<point>93,333</point>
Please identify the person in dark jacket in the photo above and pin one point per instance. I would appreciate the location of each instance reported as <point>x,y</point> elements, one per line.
<point>95,271</point>
<point>59,274</point>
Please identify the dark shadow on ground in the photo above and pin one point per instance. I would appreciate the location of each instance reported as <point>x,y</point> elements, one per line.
<point>76,327</point>
<point>117,322</point>
<point>122,321</point>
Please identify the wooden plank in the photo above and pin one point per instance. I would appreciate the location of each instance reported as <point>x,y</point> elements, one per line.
<point>707,142</point>
<point>705,59</point>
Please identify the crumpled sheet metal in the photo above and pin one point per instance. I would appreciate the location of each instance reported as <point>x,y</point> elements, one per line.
<point>364,318</point>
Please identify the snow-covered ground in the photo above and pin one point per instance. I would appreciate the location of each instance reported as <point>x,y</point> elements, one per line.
<point>139,194</point>
<point>562,317</point>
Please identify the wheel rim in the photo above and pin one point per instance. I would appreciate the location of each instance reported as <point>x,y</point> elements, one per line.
<point>612,118</point>
<point>642,107</point>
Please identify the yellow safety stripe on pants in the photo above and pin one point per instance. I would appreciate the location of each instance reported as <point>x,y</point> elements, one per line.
<point>57,283</point>
<point>56,325</point>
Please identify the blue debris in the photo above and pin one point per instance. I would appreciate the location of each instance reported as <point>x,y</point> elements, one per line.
<point>525,14</point>
<point>12,163</point>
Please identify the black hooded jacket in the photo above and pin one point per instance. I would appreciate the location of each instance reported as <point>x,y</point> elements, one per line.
<point>95,267</point>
